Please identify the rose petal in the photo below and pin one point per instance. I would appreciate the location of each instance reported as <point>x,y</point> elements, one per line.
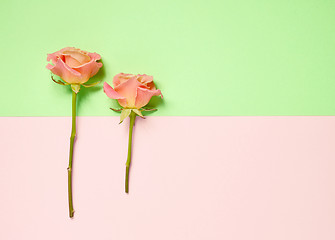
<point>49,66</point>
<point>95,70</point>
<point>76,57</point>
<point>147,81</point>
<point>54,56</point>
<point>144,95</point>
<point>95,56</point>
<point>143,78</point>
<point>121,77</point>
<point>89,69</point>
<point>128,89</point>
<point>71,62</point>
<point>67,74</point>
<point>110,92</point>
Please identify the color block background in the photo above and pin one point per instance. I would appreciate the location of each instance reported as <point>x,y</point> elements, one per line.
<point>213,57</point>
<point>237,178</point>
<point>222,177</point>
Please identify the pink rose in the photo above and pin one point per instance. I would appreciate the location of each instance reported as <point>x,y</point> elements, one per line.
<point>132,91</point>
<point>73,65</point>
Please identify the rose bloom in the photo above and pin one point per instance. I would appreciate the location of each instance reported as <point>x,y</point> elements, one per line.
<point>132,91</point>
<point>73,65</point>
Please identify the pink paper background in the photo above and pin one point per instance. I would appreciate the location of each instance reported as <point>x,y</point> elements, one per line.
<point>236,178</point>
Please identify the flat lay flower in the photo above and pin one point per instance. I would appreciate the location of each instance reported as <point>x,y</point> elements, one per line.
<point>75,67</point>
<point>132,92</point>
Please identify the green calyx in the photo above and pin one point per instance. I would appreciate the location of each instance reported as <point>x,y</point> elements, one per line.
<point>59,81</point>
<point>75,87</point>
<point>125,112</point>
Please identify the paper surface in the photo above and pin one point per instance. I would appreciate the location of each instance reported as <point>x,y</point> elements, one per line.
<point>213,57</point>
<point>192,178</point>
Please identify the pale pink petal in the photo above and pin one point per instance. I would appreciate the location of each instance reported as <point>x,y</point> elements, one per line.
<point>95,56</point>
<point>143,78</point>
<point>68,49</point>
<point>147,81</point>
<point>111,93</point>
<point>76,57</point>
<point>95,70</point>
<point>67,74</point>
<point>71,62</point>
<point>120,78</point>
<point>144,95</point>
<point>123,102</point>
<point>54,56</point>
<point>128,89</point>
<point>89,69</point>
<point>49,66</point>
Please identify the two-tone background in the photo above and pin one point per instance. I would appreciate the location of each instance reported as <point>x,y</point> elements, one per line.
<point>242,146</point>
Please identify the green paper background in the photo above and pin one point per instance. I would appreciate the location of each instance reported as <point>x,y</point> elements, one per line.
<point>222,57</point>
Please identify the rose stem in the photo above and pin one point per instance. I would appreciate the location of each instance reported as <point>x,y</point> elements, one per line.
<point>132,117</point>
<point>69,169</point>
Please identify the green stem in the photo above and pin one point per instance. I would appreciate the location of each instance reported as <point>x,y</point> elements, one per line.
<point>132,117</point>
<point>69,169</point>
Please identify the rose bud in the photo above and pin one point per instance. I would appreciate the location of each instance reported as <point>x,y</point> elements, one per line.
<point>73,65</point>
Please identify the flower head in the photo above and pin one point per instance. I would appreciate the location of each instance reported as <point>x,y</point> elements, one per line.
<point>73,65</point>
<point>132,91</point>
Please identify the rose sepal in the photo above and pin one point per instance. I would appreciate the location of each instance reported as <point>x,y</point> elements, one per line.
<point>125,112</point>
<point>116,110</point>
<point>59,81</point>
<point>148,109</point>
<point>75,88</point>
<point>91,85</point>
<point>138,112</point>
